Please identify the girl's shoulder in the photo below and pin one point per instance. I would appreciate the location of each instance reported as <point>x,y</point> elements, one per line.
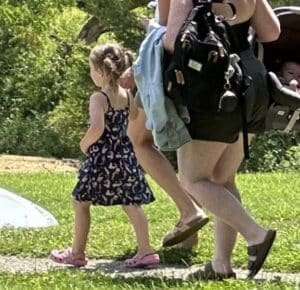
<point>100,99</point>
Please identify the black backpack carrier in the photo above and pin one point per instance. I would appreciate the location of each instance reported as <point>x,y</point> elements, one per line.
<point>205,73</point>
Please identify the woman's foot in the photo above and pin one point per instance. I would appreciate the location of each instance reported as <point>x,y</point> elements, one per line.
<point>142,261</point>
<point>221,266</point>
<point>208,273</point>
<point>184,229</point>
<point>259,252</point>
<point>189,243</point>
<point>66,256</point>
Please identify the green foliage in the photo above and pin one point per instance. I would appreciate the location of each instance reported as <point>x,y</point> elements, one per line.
<point>30,136</point>
<point>33,59</point>
<point>274,151</point>
<point>38,6</point>
<point>69,118</point>
<point>277,3</point>
<point>44,69</point>
<point>69,122</point>
<point>119,18</point>
<point>42,65</point>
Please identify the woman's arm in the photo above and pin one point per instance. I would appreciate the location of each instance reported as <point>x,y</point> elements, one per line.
<point>178,12</point>
<point>133,109</point>
<point>97,124</point>
<point>163,11</point>
<point>265,22</point>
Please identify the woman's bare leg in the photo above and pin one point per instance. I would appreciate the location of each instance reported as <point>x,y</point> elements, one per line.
<point>216,198</point>
<point>225,235</point>
<point>225,240</point>
<point>159,168</point>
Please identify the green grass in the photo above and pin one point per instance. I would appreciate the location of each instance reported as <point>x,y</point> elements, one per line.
<point>273,199</point>
<point>78,279</point>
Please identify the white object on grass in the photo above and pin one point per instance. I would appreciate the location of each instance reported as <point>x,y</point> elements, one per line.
<point>16,211</point>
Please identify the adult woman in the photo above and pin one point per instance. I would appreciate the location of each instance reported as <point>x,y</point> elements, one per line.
<point>208,164</point>
<point>192,218</point>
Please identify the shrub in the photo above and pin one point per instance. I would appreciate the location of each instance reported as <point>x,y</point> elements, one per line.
<point>273,151</point>
<point>69,122</point>
<point>30,136</point>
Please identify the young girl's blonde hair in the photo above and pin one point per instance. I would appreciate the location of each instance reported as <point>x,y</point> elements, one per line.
<point>111,59</point>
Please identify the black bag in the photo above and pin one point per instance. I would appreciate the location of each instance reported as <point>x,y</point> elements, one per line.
<point>203,73</point>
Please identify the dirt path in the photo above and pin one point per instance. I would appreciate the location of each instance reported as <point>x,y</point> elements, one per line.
<point>31,164</point>
<point>116,269</point>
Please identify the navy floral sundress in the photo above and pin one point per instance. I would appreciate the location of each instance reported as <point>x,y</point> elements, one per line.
<point>111,174</point>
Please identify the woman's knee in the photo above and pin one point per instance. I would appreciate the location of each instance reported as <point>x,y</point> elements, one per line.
<point>228,164</point>
<point>138,133</point>
<point>188,183</point>
<point>221,178</point>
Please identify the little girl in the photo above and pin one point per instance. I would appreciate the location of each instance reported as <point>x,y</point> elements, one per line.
<point>111,174</point>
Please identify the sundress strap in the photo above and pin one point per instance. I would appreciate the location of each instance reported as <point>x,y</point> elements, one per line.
<point>107,98</point>
<point>108,101</point>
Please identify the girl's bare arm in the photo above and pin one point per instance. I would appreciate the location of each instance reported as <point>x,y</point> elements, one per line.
<point>97,124</point>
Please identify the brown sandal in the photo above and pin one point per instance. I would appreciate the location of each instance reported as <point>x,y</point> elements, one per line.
<point>208,273</point>
<point>184,230</point>
<point>260,251</point>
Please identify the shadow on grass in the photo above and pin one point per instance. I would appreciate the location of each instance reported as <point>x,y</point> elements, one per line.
<point>155,276</point>
<point>178,256</point>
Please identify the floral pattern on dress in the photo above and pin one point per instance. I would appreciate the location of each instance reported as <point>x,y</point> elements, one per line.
<point>111,174</point>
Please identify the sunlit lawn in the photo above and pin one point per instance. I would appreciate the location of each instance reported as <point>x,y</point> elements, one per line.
<point>272,198</point>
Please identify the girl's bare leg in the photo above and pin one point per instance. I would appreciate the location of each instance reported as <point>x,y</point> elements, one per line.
<point>139,221</point>
<point>81,227</point>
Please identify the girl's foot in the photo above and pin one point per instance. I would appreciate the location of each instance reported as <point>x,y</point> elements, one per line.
<point>142,261</point>
<point>66,256</point>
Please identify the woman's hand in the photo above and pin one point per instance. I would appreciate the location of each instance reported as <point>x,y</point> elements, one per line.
<point>127,79</point>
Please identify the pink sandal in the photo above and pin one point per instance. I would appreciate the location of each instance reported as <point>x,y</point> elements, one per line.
<point>142,262</point>
<point>66,257</point>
